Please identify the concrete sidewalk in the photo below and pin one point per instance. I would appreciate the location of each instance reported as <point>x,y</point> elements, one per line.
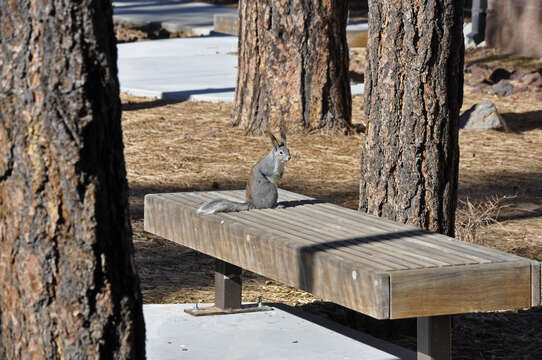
<point>283,333</point>
<point>202,68</point>
<point>180,69</point>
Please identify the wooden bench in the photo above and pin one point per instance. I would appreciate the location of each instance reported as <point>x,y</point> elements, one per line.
<point>369,264</point>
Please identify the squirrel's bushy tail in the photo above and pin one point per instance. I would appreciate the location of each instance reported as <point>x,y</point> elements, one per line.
<point>222,205</point>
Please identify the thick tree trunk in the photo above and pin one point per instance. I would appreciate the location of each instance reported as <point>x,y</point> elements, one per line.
<point>293,65</point>
<point>68,285</point>
<point>414,87</point>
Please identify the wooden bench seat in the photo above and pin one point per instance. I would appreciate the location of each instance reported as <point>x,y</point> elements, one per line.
<point>369,264</point>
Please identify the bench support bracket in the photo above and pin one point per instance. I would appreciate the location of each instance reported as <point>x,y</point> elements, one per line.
<point>227,293</point>
<point>435,338</point>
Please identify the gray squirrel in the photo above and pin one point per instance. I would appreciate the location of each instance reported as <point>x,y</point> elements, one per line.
<point>261,190</point>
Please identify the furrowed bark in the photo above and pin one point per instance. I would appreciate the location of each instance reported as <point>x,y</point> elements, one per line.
<point>414,87</point>
<point>293,66</point>
<point>68,284</point>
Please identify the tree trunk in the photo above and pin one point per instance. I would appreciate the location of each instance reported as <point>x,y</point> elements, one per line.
<point>68,285</point>
<point>414,89</point>
<point>293,66</point>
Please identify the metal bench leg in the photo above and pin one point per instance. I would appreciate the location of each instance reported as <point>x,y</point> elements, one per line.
<point>435,338</point>
<point>227,293</point>
<point>227,285</point>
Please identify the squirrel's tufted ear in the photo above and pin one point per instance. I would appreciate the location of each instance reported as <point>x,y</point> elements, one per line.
<point>283,132</point>
<point>273,139</point>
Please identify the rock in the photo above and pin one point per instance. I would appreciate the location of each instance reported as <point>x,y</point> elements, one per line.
<point>528,206</point>
<point>517,75</point>
<point>498,75</point>
<point>536,84</point>
<point>480,87</point>
<point>521,89</point>
<point>531,78</point>
<point>226,24</point>
<point>476,73</point>
<point>483,116</point>
<point>539,97</point>
<point>502,88</point>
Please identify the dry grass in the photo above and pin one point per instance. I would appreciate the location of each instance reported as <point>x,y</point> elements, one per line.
<point>127,32</point>
<point>493,59</point>
<point>472,219</point>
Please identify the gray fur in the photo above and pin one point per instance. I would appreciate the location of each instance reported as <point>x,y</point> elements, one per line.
<point>222,205</point>
<point>266,172</point>
<point>263,187</point>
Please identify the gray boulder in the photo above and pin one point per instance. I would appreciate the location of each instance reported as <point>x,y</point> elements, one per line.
<point>483,116</point>
<point>503,88</point>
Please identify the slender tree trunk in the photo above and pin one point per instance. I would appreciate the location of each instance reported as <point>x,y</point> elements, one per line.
<point>68,285</point>
<point>293,65</point>
<point>414,87</point>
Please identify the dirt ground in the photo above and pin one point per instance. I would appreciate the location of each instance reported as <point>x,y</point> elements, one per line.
<point>190,146</point>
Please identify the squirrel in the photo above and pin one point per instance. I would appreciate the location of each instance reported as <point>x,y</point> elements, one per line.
<point>261,190</point>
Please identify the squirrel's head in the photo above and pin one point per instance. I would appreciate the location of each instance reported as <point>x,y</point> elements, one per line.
<point>280,150</point>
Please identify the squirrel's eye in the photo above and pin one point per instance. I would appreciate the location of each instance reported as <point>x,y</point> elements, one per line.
<point>280,152</point>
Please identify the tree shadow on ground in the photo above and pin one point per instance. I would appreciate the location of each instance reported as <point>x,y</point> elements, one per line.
<point>173,97</point>
<point>164,264</point>
<point>519,184</point>
<point>499,335</point>
<point>513,188</point>
<point>520,122</point>
<point>345,322</point>
<point>384,329</point>
<point>487,59</point>
<point>133,106</point>
<point>165,267</point>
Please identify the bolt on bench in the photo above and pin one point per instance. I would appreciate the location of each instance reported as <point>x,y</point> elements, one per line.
<point>372,265</point>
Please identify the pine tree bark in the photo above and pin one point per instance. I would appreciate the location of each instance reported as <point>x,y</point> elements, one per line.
<point>414,89</point>
<point>293,66</point>
<point>68,285</point>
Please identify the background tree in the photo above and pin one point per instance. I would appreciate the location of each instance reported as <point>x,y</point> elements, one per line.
<point>293,65</point>
<point>68,285</point>
<point>414,87</point>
